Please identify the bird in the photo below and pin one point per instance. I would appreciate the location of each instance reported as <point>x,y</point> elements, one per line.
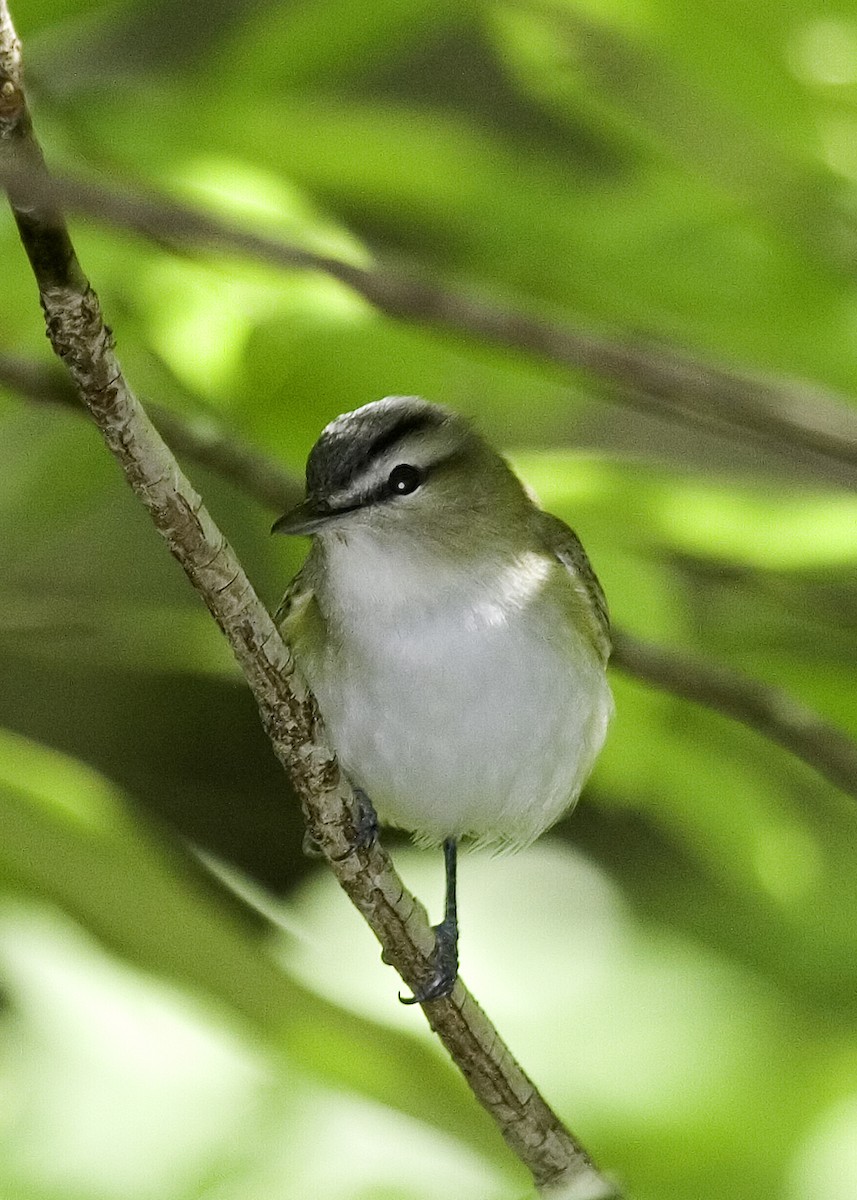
<point>454,634</point>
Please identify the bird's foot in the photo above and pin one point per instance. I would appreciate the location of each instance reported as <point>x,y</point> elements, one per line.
<point>444,962</point>
<point>365,830</point>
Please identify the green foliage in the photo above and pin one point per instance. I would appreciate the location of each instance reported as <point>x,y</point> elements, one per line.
<point>683,983</point>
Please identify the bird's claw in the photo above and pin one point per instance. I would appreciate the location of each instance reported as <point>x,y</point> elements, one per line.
<point>366,827</point>
<point>365,833</point>
<point>444,960</point>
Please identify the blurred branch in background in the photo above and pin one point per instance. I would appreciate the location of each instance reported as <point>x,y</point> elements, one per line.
<point>202,438</point>
<point>771,711</point>
<point>83,342</point>
<point>652,376</point>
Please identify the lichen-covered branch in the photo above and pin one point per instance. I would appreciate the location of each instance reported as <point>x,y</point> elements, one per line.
<point>79,336</point>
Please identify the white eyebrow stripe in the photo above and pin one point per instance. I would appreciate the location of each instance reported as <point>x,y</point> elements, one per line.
<point>423,450</point>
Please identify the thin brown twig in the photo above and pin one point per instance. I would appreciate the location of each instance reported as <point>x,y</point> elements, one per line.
<point>649,375</point>
<point>768,710</point>
<point>558,1163</point>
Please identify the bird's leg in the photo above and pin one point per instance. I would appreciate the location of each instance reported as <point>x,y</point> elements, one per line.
<point>444,958</point>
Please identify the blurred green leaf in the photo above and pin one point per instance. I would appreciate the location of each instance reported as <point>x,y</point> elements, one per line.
<point>685,173</point>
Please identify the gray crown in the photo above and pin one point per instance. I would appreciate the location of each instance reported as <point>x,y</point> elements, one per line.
<point>350,443</point>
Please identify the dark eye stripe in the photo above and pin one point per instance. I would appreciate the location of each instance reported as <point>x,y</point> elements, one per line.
<point>408,424</point>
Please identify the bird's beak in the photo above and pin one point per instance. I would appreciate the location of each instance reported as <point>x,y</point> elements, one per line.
<point>306,518</point>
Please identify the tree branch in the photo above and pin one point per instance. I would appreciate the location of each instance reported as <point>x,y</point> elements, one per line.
<point>768,710</point>
<point>647,375</point>
<point>79,336</point>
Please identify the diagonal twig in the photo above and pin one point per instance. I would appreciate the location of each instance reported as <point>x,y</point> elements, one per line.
<point>559,1165</point>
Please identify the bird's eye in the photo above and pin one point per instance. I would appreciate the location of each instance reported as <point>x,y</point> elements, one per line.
<point>404,479</point>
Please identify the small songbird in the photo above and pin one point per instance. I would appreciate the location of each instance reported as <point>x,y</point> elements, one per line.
<point>454,634</point>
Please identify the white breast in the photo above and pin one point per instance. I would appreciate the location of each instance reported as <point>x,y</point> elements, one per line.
<point>463,706</point>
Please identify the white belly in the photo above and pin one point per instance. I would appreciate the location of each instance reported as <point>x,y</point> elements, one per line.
<point>461,729</point>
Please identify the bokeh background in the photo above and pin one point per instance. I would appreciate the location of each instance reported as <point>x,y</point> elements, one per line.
<point>189,1007</point>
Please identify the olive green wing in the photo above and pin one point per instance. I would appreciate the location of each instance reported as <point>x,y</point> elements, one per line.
<point>592,605</point>
<point>299,594</point>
